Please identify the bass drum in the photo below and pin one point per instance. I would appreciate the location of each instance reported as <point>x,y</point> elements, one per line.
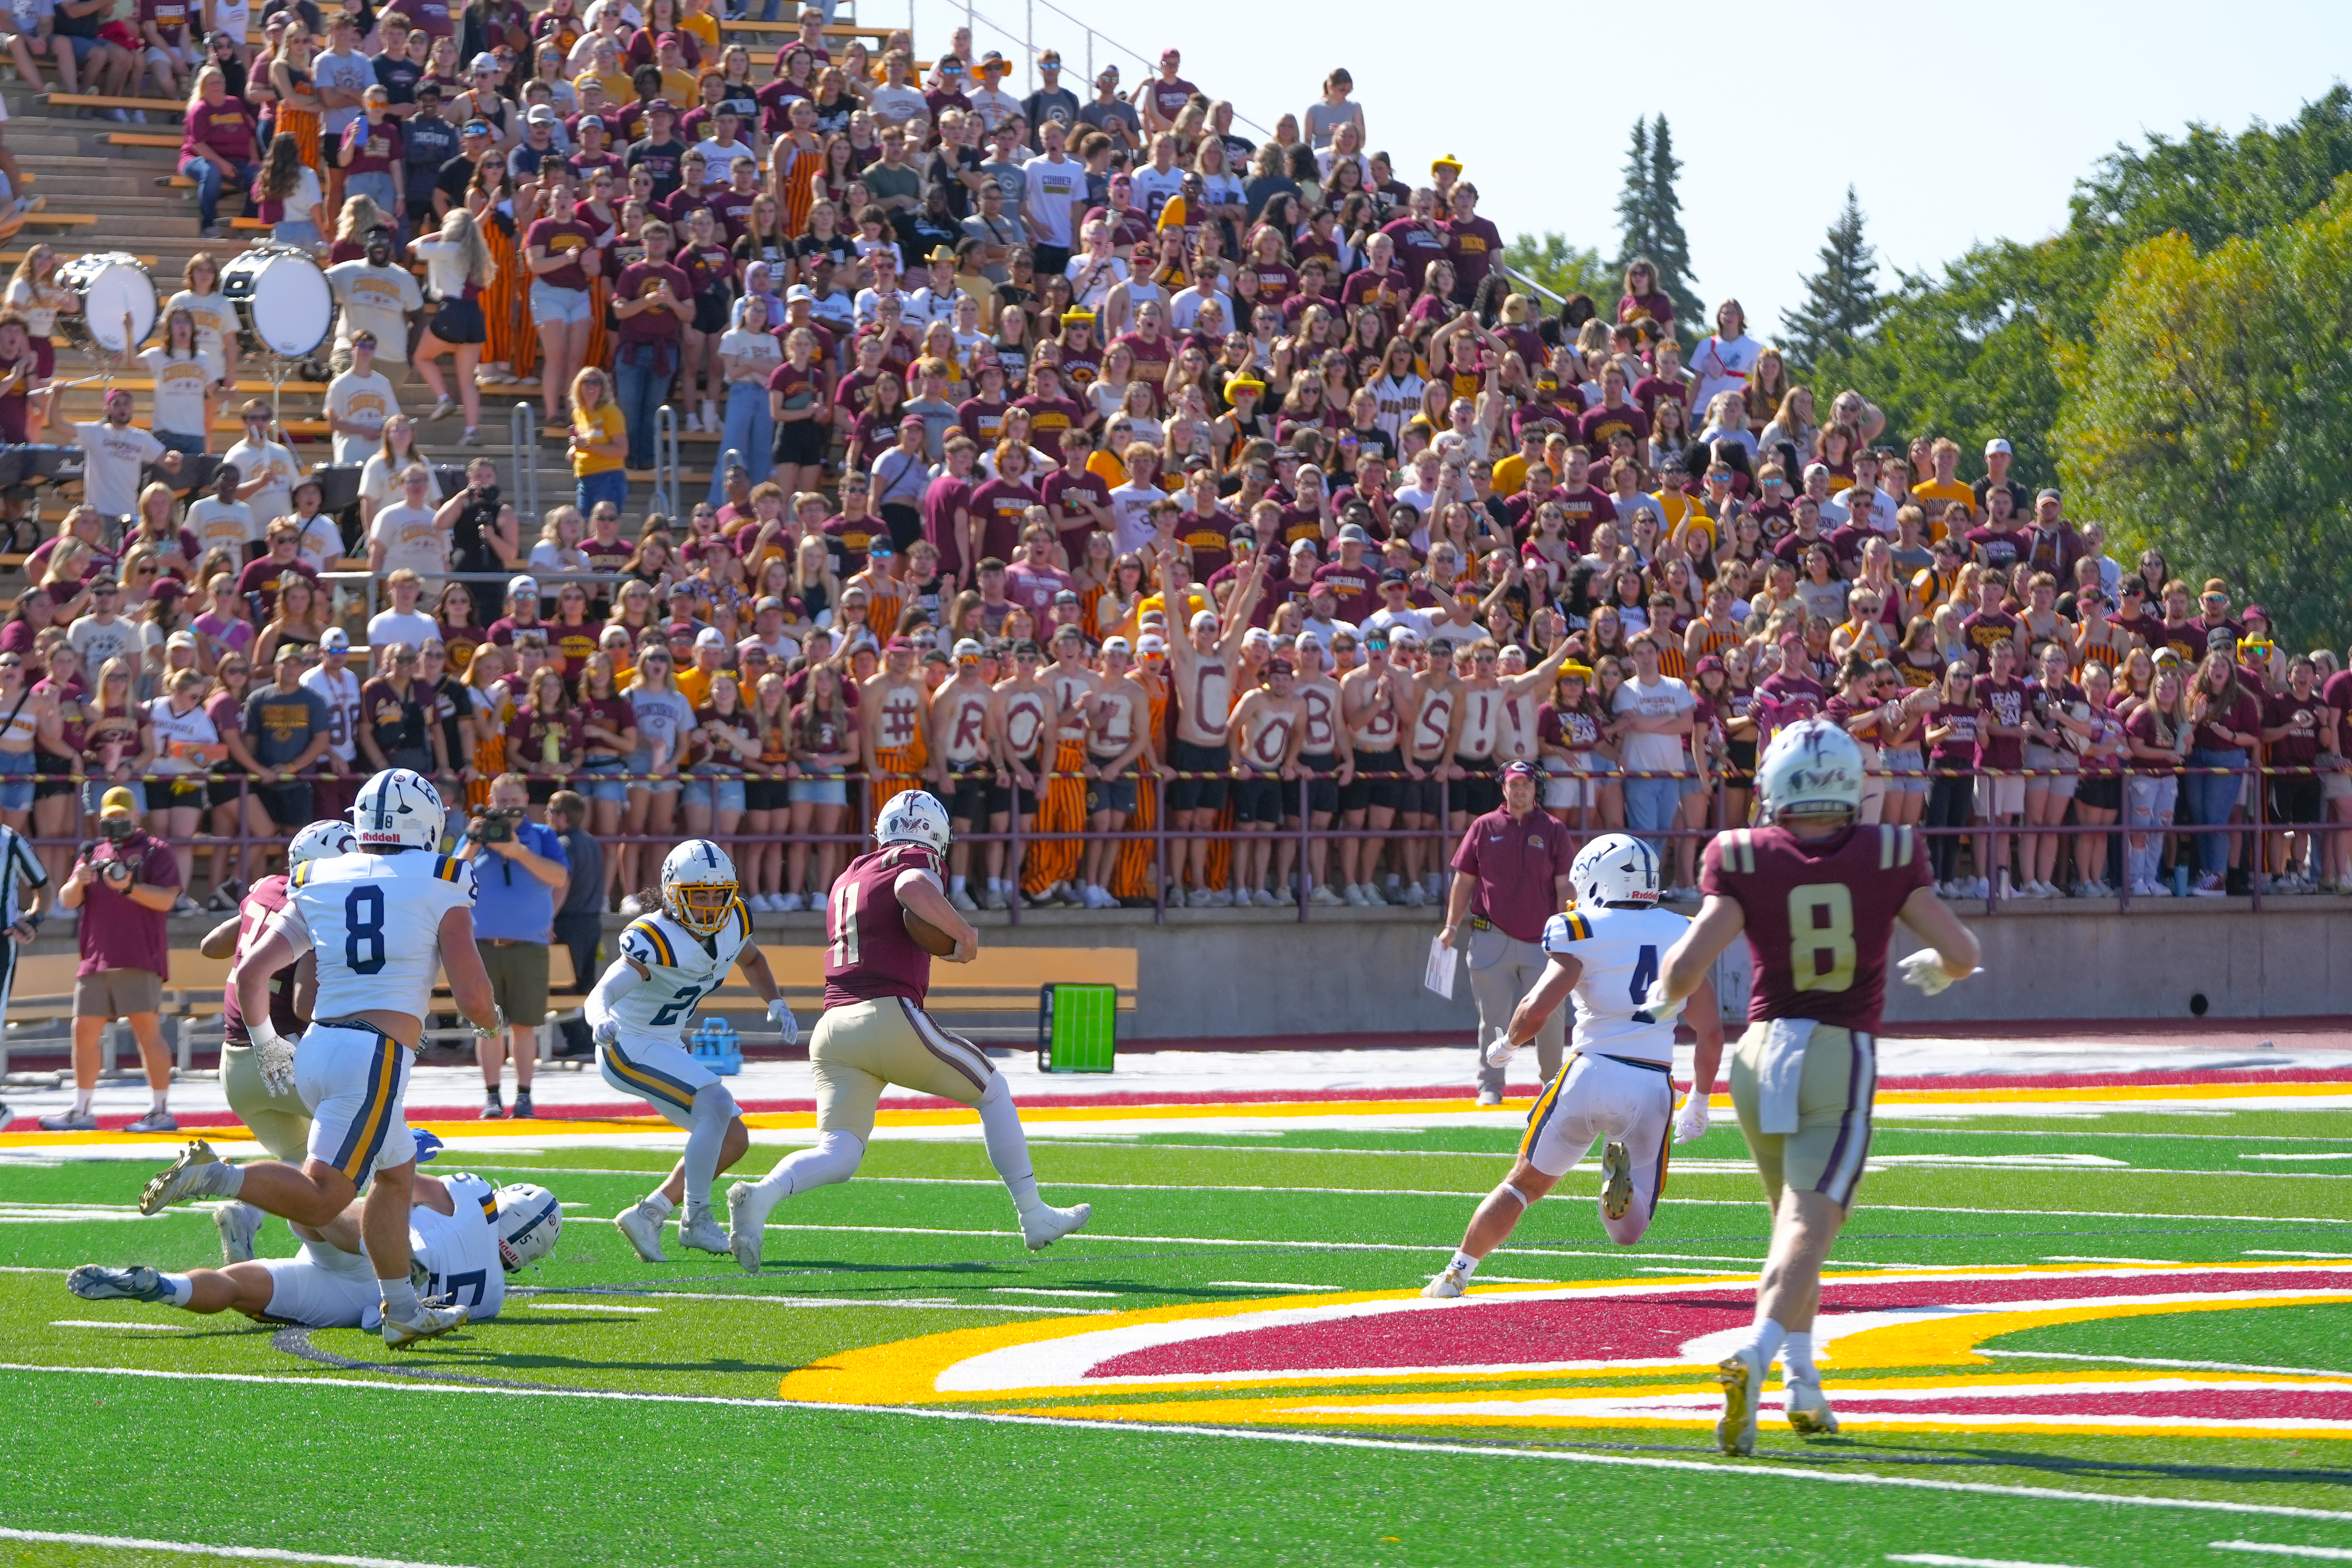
<point>108,283</point>
<point>281,297</point>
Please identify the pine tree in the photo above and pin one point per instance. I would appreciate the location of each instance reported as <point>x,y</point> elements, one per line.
<point>1633,202</point>
<point>1841,301</point>
<point>1669,245</point>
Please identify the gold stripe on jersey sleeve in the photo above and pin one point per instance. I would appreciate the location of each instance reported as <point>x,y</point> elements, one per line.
<point>302,875</point>
<point>661,944</point>
<point>744,915</point>
<point>1578,928</point>
<point>446,867</point>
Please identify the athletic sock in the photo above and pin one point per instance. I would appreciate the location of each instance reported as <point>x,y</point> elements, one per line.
<point>232,1179</point>
<point>82,1102</point>
<point>1797,1357</point>
<point>658,1201</point>
<point>1464,1264</point>
<point>1768,1339</point>
<point>183,1289</point>
<point>1008,1146</point>
<point>400,1299</point>
<point>713,1109</point>
<point>155,1101</point>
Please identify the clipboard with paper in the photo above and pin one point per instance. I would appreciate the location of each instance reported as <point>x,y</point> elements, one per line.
<point>1444,962</point>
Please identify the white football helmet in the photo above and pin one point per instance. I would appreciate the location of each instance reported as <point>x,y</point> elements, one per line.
<point>698,886</point>
<point>1618,868</point>
<point>399,809</point>
<point>1812,768</point>
<point>914,817</point>
<point>323,839</point>
<point>528,1221</point>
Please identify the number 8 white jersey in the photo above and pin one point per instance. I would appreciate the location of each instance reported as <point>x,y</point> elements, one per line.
<point>1621,950</point>
<point>375,921</point>
<point>680,971</point>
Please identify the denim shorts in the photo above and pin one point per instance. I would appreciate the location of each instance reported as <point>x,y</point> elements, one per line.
<point>549,304</point>
<point>602,781</point>
<point>643,763</point>
<point>820,791</point>
<point>718,794</point>
<point>16,768</point>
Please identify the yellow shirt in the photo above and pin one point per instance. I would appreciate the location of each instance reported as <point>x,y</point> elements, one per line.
<point>600,425</point>
<point>694,685</point>
<point>1108,469</point>
<point>681,86</point>
<point>1932,496</point>
<point>705,27</point>
<point>1673,506</point>
<point>618,89</point>
<point>1511,474</point>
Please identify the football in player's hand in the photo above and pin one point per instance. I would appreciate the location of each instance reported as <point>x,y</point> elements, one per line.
<point>928,937</point>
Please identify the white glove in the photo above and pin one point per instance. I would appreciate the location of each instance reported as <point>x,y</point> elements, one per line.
<point>1657,1006</point>
<point>1925,969</point>
<point>1499,1051</point>
<point>780,1012</point>
<point>1690,1122</point>
<point>273,1057</point>
<point>605,1033</point>
<point>497,1030</point>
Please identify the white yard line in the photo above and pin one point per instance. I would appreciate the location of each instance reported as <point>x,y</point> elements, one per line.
<point>194,1548</point>
<point>2150,1361</point>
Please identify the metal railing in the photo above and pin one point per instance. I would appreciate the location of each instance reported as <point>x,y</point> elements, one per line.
<point>669,482</point>
<point>1030,44</point>
<point>522,435</point>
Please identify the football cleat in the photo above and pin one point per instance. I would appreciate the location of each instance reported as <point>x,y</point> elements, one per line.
<point>431,1321</point>
<point>1042,1226</point>
<point>745,1220</point>
<point>642,1228</point>
<point>1446,1286</point>
<point>92,1282</point>
<point>704,1235</point>
<point>1742,1376</point>
<point>198,1172</point>
<point>1809,1411</point>
<point>1617,1180</point>
<point>239,1224</point>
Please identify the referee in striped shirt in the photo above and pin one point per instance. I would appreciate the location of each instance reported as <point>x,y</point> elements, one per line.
<point>24,899</point>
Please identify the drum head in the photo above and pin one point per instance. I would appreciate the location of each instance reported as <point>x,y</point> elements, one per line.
<point>292,307</point>
<point>109,286</point>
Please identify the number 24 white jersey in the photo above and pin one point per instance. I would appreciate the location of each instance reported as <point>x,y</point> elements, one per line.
<point>680,971</point>
<point>374,921</point>
<point>1621,950</point>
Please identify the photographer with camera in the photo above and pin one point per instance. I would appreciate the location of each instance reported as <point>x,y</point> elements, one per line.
<point>128,881</point>
<point>484,536</point>
<point>522,874</point>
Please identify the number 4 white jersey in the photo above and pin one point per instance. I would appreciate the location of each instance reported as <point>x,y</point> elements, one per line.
<point>460,1250</point>
<point>374,921</point>
<point>680,971</point>
<point>1621,950</point>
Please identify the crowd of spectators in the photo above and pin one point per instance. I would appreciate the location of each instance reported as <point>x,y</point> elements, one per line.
<point>1102,470</point>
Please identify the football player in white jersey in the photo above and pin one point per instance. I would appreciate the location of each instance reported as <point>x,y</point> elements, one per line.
<point>377,918</point>
<point>1616,1084</point>
<point>671,961</point>
<point>464,1236</point>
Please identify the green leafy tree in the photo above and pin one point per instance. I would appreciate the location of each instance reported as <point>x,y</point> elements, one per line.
<point>1841,301</point>
<point>1563,268</point>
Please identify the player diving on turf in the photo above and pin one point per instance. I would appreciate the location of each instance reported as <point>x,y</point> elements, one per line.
<point>1616,1084</point>
<point>465,1237</point>
<point>875,1032</point>
<point>671,961</point>
<point>1818,893</point>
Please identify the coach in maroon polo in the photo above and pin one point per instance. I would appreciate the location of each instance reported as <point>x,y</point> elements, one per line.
<point>1512,877</point>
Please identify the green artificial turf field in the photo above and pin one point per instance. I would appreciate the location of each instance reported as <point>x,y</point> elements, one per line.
<point>624,1413</point>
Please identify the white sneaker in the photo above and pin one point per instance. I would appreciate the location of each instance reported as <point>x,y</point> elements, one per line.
<point>1448,1284</point>
<point>198,1172</point>
<point>1616,1179</point>
<point>789,904</point>
<point>745,1217</point>
<point>963,900</point>
<point>703,1235</point>
<point>632,907</point>
<point>430,1323</point>
<point>2160,889</point>
<point>992,900</point>
<point>1222,898</point>
<point>1742,1376</point>
<point>643,1227</point>
<point>1043,1225</point>
<point>239,1224</point>
<point>1354,897</point>
<point>1100,899</point>
<point>1266,900</point>
<point>1490,1097</point>
<point>1414,898</point>
<point>1808,1410</point>
<point>1325,894</point>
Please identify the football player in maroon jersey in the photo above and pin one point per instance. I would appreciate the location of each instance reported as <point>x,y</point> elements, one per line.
<point>875,1032</point>
<point>1818,894</point>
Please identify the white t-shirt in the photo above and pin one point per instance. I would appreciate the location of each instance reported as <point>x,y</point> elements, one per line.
<point>1130,512</point>
<point>179,736</point>
<point>1665,698</point>
<point>111,460</point>
<point>379,300</point>
<point>1051,192</point>
<point>1184,307</point>
<point>253,460</point>
<point>366,400</point>
<point>222,525</point>
<point>1091,282</point>
<point>387,626</point>
<point>550,556</point>
<point>897,105</point>
<point>410,539</point>
<point>322,543</point>
<point>1153,189</point>
<point>1387,621</point>
<point>377,482</point>
<point>1722,365</point>
<point>718,160</point>
<point>180,386</point>
<point>98,642</point>
<point>756,348</point>
<point>213,315</point>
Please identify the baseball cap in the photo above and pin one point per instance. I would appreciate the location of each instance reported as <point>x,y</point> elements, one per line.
<point>710,637</point>
<point>2045,495</point>
<point>911,422</point>
<point>1148,644</point>
<point>181,639</point>
<point>1256,637</point>
<point>1353,533</point>
<point>1394,574</point>
<point>335,640</point>
<point>520,584</point>
<point>587,120</point>
<point>800,292</point>
<point>1066,596</point>
<point>486,62</point>
<point>287,650</point>
<point>1519,770</point>
<point>1403,636</point>
<point>118,799</point>
<point>1204,618</point>
<point>967,648</point>
<point>1997,445</point>
<point>475,128</point>
<point>1278,666</point>
<point>541,114</point>
<point>768,603</point>
<point>660,106</point>
<point>1116,645</point>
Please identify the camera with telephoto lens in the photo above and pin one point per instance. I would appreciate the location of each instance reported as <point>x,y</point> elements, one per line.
<point>494,825</point>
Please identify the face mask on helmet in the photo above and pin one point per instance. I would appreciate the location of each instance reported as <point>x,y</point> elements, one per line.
<point>699,886</point>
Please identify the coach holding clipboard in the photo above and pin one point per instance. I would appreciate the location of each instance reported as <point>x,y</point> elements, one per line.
<point>1511,877</point>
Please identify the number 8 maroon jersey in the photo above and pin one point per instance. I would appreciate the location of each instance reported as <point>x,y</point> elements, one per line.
<point>868,952</point>
<point>1818,915</point>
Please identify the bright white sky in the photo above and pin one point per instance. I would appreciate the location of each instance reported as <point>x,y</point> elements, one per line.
<point>2006,104</point>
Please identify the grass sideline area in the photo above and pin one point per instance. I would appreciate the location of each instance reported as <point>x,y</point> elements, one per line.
<point>2166,1291</point>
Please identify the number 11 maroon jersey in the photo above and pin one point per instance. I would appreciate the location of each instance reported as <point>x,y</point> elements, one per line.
<point>868,952</point>
<point>1818,915</point>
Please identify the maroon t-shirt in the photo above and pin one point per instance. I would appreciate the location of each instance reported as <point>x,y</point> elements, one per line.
<point>1068,517</point>
<point>264,899</point>
<point>655,324</point>
<point>116,931</point>
<point>561,237</point>
<point>1957,752</point>
<point>2244,717</point>
<point>1001,505</point>
<point>2303,720</point>
<point>868,952</point>
<point>1358,592</point>
<point>1513,863</point>
<point>1818,916</point>
<point>2003,702</point>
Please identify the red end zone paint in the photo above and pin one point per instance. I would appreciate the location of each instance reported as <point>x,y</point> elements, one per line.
<point>1623,1327</point>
